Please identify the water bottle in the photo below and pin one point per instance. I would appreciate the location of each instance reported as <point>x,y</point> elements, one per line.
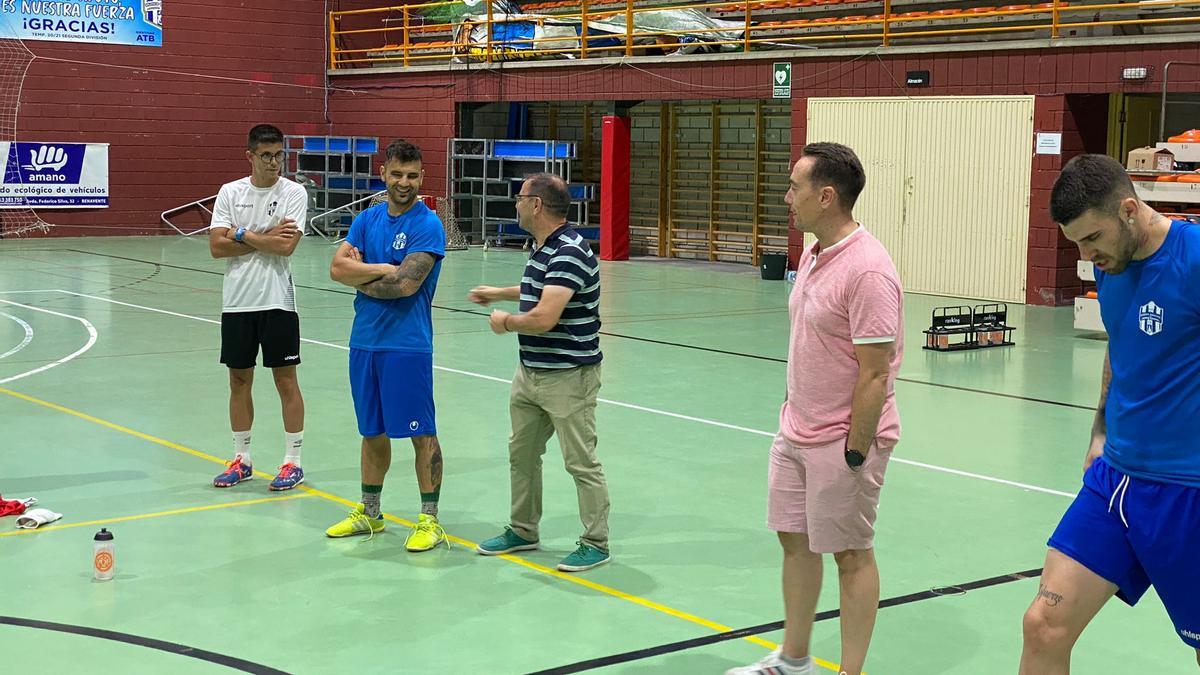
<point>102,556</point>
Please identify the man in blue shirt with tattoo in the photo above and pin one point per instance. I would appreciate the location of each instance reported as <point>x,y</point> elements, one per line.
<point>392,256</point>
<point>1136,522</point>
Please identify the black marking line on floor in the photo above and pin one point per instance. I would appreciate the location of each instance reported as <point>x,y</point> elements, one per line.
<point>682,345</point>
<point>150,643</point>
<point>649,652</point>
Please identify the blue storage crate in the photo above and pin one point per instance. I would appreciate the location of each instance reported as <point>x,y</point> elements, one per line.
<point>531,150</point>
<point>377,184</point>
<point>326,144</point>
<point>366,146</point>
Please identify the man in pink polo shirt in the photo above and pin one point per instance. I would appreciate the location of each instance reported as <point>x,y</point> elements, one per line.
<point>839,423</point>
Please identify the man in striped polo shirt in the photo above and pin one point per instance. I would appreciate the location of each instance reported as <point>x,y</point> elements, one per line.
<point>554,390</point>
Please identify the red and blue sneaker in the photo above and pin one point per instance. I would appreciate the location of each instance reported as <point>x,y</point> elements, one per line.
<point>235,472</point>
<point>289,477</point>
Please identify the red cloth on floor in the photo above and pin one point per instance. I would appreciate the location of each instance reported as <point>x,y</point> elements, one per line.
<point>11,508</point>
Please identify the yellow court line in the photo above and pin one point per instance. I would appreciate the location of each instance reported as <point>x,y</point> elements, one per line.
<point>159,514</point>
<point>649,604</point>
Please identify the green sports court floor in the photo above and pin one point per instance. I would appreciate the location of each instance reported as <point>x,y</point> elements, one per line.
<point>113,412</point>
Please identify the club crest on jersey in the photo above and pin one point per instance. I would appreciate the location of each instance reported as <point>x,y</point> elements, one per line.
<point>400,242</point>
<point>1150,318</point>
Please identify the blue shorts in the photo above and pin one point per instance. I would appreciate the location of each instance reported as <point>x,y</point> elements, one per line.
<point>393,393</point>
<point>1137,533</point>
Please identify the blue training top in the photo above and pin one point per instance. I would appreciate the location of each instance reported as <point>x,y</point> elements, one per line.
<point>400,324</point>
<point>1152,314</point>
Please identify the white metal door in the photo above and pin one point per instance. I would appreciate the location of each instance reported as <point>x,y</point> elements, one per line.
<point>947,186</point>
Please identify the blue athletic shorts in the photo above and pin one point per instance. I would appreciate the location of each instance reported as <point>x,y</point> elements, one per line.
<point>1137,533</point>
<point>393,393</point>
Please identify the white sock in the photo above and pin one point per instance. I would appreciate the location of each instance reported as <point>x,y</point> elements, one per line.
<point>241,445</point>
<point>291,444</point>
<point>801,662</point>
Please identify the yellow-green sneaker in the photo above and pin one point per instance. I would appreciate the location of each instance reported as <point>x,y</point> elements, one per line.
<point>427,534</point>
<point>356,523</point>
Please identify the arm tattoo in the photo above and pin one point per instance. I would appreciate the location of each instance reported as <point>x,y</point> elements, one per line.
<point>404,281</point>
<point>1051,598</point>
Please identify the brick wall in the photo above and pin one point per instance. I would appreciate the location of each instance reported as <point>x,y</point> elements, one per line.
<point>420,110</point>
<point>176,136</point>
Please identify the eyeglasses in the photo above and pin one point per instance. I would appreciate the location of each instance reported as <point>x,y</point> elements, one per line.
<point>519,197</point>
<point>268,158</point>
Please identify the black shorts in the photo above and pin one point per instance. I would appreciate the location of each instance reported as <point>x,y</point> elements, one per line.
<point>277,330</point>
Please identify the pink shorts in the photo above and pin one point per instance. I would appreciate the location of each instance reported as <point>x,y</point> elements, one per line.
<point>812,490</point>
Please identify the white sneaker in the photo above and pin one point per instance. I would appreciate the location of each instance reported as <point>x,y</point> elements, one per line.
<point>771,664</point>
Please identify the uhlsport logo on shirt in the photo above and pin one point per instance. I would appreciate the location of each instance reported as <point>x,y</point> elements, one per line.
<point>1150,318</point>
<point>414,425</point>
<point>400,242</point>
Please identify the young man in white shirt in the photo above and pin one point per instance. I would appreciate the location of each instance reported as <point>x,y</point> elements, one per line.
<point>257,223</point>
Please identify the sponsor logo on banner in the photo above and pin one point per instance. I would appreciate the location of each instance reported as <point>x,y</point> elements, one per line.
<point>49,175</point>
<point>152,12</point>
<point>45,162</point>
<point>118,22</point>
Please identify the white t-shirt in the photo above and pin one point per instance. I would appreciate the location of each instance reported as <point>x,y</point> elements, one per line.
<point>259,281</point>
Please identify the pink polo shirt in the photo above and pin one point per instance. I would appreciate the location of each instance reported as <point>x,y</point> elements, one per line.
<point>845,295</point>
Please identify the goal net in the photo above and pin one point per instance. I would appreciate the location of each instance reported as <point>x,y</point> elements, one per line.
<point>14,62</point>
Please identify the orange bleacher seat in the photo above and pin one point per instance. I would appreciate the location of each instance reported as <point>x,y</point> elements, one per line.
<point>431,46</point>
<point>1015,8</point>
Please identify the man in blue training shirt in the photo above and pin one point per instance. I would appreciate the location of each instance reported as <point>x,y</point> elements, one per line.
<point>392,255</point>
<point>1136,522</point>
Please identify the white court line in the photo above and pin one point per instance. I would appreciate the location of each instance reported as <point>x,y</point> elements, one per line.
<point>86,324</point>
<point>26,341</point>
<point>689,418</point>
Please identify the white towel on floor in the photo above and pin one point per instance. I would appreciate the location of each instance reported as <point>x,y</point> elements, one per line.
<point>35,518</point>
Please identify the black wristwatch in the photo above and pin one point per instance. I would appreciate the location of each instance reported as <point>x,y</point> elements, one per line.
<point>854,459</point>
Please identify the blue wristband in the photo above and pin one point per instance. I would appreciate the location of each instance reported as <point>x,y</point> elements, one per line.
<point>237,236</point>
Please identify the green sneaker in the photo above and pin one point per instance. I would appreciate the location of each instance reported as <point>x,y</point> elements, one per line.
<point>356,523</point>
<point>427,534</point>
<point>506,543</point>
<point>584,558</point>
